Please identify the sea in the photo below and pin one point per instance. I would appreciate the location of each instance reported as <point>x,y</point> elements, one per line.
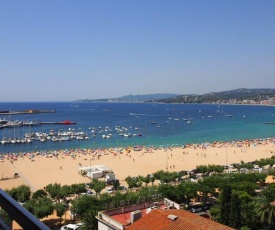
<point>109,125</point>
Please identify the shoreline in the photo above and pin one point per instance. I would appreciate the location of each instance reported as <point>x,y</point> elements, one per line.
<point>40,168</point>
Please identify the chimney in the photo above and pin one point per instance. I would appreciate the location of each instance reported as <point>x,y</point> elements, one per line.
<point>135,215</point>
<point>172,217</point>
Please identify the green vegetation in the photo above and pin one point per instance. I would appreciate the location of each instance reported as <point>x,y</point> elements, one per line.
<point>239,200</point>
<point>239,95</point>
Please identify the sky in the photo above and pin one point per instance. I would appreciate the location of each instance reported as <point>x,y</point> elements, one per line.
<point>65,50</point>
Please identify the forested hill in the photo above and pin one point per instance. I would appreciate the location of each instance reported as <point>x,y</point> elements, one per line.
<point>133,98</point>
<point>238,95</point>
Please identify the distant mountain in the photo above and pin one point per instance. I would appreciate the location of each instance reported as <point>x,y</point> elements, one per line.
<point>238,95</point>
<point>133,98</point>
<point>146,97</point>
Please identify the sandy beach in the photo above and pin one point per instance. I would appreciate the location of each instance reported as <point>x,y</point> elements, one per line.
<point>40,169</point>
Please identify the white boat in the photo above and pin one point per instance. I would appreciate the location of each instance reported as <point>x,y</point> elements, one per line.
<point>29,140</point>
<point>4,141</point>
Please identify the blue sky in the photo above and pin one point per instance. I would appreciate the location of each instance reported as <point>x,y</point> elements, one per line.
<point>64,50</point>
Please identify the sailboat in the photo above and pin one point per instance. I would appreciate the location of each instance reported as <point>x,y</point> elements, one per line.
<point>4,141</point>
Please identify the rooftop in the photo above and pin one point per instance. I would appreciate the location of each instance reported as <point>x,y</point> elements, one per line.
<point>170,219</point>
<point>126,214</point>
<point>156,214</point>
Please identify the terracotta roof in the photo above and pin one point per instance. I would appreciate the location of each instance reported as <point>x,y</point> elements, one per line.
<point>158,220</point>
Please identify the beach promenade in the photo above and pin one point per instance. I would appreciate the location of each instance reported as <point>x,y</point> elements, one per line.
<point>39,169</point>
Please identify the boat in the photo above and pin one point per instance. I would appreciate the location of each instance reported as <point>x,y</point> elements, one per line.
<point>4,141</point>
<point>67,122</point>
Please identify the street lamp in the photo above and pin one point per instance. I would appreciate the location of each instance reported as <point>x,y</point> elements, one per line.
<point>90,172</point>
<point>166,160</point>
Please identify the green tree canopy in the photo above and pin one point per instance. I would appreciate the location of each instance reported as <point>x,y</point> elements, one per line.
<point>41,207</point>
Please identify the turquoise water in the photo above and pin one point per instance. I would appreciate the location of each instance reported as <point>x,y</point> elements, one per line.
<point>157,124</point>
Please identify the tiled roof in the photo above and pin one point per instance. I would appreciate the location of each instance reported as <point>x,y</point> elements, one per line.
<point>158,220</point>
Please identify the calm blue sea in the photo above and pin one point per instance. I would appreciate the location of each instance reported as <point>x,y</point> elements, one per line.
<point>148,124</point>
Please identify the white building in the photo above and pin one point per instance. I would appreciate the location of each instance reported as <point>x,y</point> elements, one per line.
<point>95,171</point>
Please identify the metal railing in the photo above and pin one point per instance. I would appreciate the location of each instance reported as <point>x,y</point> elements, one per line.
<point>18,213</point>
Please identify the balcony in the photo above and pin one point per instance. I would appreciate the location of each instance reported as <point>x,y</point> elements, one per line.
<point>18,213</point>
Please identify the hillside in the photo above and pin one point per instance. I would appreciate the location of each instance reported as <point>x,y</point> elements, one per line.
<point>238,95</point>
<point>132,98</point>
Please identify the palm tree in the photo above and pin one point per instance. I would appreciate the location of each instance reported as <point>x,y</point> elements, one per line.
<point>89,221</point>
<point>264,208</point>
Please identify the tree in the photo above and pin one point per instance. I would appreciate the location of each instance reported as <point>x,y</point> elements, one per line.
<point>235,211</point>
<point>98,186</point>
<point>245,186</point>
<point>41,207</point>
<point>264,209</point>
<point>188,190</point>
<point>39,193</point>
<point>146,180</point>
<point>169,191</point>
<point>116,184</point>
<point>225,205</point>
<point>60,210</point>
<point>89,220</point>
<point>21,193</point>
<point>65,190</point>
<point>78,188</point>
<point>247,209</point>
<point>152,179</point>
<point>215,213</point>
<point>132,182</point>
<point>54,190</point>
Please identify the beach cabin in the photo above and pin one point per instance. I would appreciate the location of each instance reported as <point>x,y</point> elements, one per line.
<point>95,171</point>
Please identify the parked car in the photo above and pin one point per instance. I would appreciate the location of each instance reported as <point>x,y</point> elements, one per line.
<point>110,190</point>
<point>196,208</point>
<point>122,187</point>
<point>257,169</point>
<point>70,226</point>
<point>88,192</point>
<point>208,206</point>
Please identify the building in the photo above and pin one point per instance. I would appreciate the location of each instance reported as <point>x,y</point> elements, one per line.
<point>153,213</point>
<point>95,171</point>
<point>170,219</point>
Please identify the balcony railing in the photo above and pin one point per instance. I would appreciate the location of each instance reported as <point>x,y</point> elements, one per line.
<point>18,213</point>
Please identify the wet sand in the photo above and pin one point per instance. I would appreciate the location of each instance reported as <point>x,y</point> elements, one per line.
<point>40,169</point>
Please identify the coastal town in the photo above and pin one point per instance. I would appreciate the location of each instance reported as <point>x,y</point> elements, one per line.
<point>137,115</point>
<point>127,170</point>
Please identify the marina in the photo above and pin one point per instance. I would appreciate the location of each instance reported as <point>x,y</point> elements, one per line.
<point>106,125</point>
<point>43,137</point>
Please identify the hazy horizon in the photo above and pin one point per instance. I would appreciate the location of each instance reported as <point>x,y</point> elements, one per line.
<point>71,50</point>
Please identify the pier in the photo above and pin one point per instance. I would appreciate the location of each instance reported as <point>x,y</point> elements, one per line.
<point>13,124</point>
<point>270,123</point>
<point>29,111</point>
<point>58,123</point>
